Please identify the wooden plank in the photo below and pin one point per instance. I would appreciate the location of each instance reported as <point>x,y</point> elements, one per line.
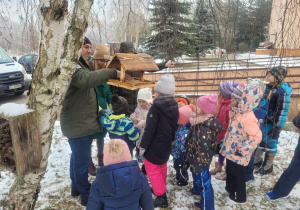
<point>133,84</point>
<point>142,76</point>
<point>122,76</point>
<point>26,142</point>
<point>133,62</point>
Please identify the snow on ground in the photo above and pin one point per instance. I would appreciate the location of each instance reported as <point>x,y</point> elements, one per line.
<point>55,186</point>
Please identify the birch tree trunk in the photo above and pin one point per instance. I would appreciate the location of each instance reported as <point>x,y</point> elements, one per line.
<point>60,43</point>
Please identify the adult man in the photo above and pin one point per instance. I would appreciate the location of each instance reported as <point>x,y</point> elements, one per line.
<point>79,119</point>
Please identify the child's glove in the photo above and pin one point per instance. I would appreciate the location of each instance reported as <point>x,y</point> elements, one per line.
<point>141,124</point>
<point>142,152</point>
<point>101,113</point>
<point>109,111</point>
<point>274,132</point>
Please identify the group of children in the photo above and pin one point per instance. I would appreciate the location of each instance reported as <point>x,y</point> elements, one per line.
<point>231,124</point>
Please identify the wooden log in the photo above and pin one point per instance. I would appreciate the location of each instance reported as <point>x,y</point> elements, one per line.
<point>26,142</point>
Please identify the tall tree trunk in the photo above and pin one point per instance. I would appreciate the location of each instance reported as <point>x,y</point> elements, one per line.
<point>60,42</point>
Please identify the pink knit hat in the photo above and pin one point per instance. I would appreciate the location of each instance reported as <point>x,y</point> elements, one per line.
<point>208,104</point>
<point>116,151</point>
<point>185,113</point>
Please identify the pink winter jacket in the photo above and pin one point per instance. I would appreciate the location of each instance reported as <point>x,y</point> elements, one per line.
<point>223,116</point>
<point>243,134</point>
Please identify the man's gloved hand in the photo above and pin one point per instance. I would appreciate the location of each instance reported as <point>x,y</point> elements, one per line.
<point>274,132</point>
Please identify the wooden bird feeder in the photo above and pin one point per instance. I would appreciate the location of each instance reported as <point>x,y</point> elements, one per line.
<point>132,62</point>
<point>20,143</point>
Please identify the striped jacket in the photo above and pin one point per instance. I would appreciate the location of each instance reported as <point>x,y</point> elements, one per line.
<point>121,127</point>
<point>278,104</point>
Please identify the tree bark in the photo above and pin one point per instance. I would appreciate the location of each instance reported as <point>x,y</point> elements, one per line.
<point>60,42</point>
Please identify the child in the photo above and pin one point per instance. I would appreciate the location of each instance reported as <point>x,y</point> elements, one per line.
<point>241,138</point>
<point>201,145</point>
<point>159,134</point>
<point>118,124</point>
<point>179,144</point>
<point>120,183</point>
<point>278,95</point>
<point>183,101</point>
<point>260,113</point>
<point>291,175</point>
<point>144,99</point>
<point>226,89</point>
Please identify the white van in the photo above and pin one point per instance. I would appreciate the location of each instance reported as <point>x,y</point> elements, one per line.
<point>13,77</point>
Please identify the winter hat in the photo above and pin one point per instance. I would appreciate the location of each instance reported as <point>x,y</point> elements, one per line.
<point>140,50</point>
<point>184,99</point>
<point>226,88</point>
<point>86,41</point>
<point>101,52</point>
<point>185,113</point>
<point>257,82</point>
<point>279,73</point>
<point>238,91</point>
<point>145,94</point>
<point>126,47</point>
<point>116,151</point>
<point>119,105</point>
<point>208,104</point>
<point>165,85</point>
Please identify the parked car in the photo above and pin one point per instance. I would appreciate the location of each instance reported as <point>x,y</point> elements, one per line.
<point>13,77</point>
<point>28,61</point>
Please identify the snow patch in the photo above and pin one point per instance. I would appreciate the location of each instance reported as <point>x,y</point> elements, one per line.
<point>13,109</point>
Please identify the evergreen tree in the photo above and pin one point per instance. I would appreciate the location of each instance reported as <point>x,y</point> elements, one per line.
<point>203,28</point>
<point>171,34</point>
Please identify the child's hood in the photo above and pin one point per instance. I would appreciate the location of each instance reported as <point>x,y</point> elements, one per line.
<point>211,122</point>
<point>251,97</point>
<point>167,105</point>
<point>286,87</point>
<point>119,180</point>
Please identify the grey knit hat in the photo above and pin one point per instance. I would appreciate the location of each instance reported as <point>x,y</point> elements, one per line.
<point>126,47</point>
<point>165,85</point>
<point>119,105</point>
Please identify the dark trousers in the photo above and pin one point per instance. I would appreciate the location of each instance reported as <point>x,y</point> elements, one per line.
<point>181,168</point>
<point>235,181</point>
<point>290,176</point>
<point>79,164</point>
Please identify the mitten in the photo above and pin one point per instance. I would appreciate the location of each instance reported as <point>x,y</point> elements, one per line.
<point>141,124</point>
<point>101,113</point>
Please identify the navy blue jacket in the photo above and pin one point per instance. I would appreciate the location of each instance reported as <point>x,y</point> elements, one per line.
<point>120,186</point>
<point>161,125</point>
<point>296,120</point>
<point>278,104</point>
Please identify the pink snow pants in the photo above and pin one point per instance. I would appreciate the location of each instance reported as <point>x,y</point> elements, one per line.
<point>158,177</point>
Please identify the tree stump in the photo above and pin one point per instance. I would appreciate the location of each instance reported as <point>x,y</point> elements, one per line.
<point>21,143</point>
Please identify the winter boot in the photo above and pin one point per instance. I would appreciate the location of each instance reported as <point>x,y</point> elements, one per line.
<point>267,166</point>
<point>92,169</point>
<point>258,158</point>
<point>221,176</point>
<point>216,169</point>
<point>100,160</point>
<point>161,201</point>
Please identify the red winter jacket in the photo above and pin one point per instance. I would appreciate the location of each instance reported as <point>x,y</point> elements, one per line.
<point>223,116</point>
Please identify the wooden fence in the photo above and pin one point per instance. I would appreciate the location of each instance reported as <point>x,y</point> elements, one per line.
<point>194,83</point>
